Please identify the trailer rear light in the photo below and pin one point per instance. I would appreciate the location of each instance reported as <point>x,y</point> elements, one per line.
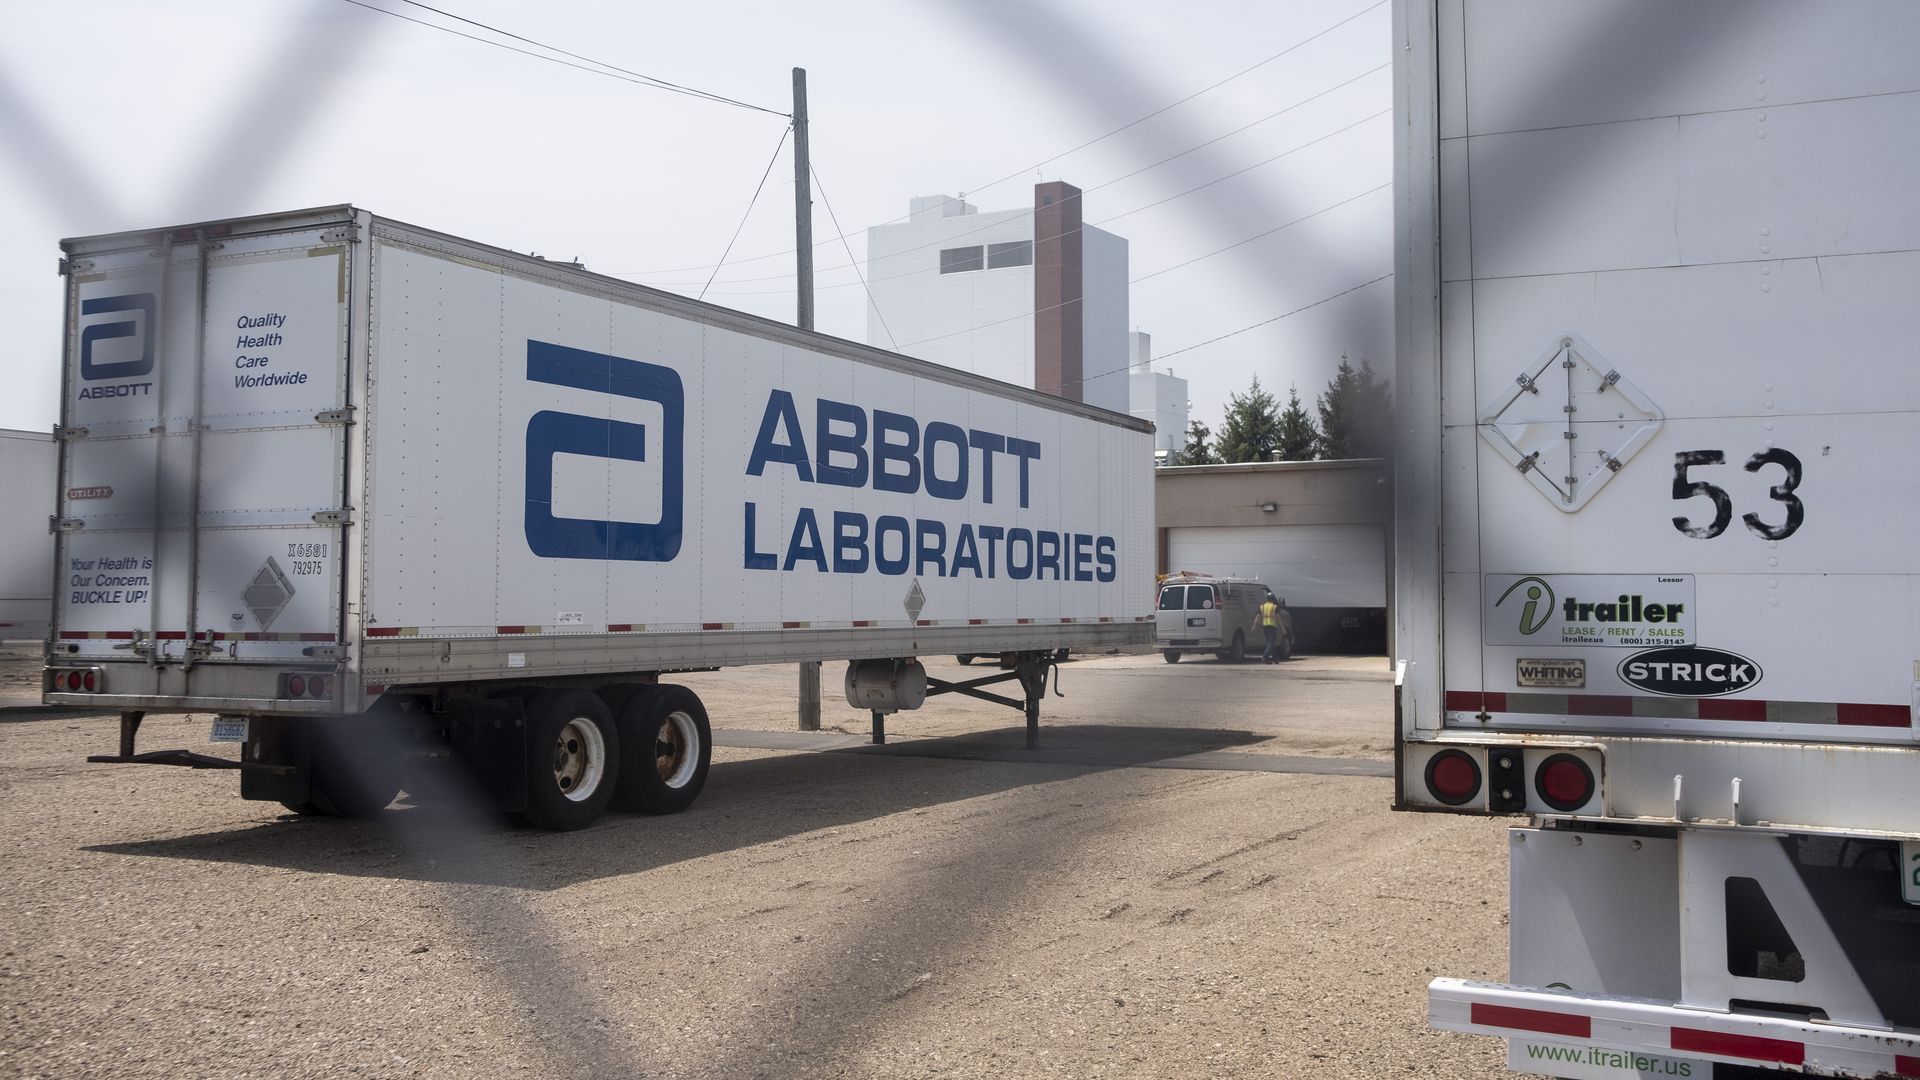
<point>297,684</point>
<point>1453,777</point>
<point>1564,782</point>
<point>76,681</point>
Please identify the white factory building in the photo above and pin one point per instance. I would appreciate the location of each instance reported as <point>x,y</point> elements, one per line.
<point>1159,396</point>
<point>1032,296</point>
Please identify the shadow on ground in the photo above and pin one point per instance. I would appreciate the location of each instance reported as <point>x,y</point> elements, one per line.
<point>746,803</point>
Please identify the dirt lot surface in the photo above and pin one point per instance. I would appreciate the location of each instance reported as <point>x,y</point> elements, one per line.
<point>1197,875</point>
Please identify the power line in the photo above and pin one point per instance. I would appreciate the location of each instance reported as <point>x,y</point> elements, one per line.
<point>1197,93</point>
<point>831,216</point>
<point>1069,232</point>
<point>1048,161</point>
<point>599,67</point>
<point>1244,329</point>
<point>781,145</point>
<point>1088,191</point>
<point>1163,270</point>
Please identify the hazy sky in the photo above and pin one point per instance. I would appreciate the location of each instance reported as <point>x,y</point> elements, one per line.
<point>132,115</point>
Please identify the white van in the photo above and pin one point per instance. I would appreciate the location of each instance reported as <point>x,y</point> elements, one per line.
<point>1217,615</point>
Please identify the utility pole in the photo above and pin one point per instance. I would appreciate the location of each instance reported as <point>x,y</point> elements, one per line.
<point>803,289</point>
<point>802,204</point>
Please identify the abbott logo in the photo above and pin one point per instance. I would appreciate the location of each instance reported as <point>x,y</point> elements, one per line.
<point>552,433</point>
<point>1538,606</point>
<point>128,361</point>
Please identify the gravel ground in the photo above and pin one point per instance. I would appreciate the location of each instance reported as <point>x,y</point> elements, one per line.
<point>1198,875</point>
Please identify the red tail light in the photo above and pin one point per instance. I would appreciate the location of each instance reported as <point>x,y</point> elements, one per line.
<point>1453,777</point>
<point>317,686</point>
<point>74,682</point>
<point>90,681</point>
<point>296,685</point>
<point>1564,782</point>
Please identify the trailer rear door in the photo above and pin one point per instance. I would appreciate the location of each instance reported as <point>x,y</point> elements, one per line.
<point>202,489</point>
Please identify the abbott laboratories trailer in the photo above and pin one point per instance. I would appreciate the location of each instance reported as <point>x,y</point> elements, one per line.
<point>344,477</point>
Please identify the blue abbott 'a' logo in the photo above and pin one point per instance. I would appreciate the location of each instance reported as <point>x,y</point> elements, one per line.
<point>133,362</point>
<point>550,433</point>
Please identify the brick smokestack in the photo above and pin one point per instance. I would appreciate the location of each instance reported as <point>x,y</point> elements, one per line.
<point>1057,334</point>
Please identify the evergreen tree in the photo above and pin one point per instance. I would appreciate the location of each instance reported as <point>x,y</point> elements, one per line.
<point>1355,419</point>
<point>1299,438</point>
<point>1199,449</point>
<point>1251,431</point>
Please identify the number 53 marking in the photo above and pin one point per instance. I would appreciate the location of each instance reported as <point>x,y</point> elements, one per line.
<point>1683,488</point>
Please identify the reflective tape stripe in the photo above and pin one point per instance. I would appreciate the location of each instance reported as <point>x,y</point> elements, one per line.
<point>1743,710</point>
<point>1550,1023</point>
<point>1751,1047</point>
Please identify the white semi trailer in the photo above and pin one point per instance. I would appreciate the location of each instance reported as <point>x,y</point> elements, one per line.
<point>378,496</point>
<point>1655,569</point>
<point>27,462</point>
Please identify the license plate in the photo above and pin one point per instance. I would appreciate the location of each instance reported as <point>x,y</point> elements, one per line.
<point>229,729</point>
<point>1910,871</point>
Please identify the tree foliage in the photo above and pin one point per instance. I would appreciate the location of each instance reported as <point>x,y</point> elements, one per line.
<point>1355,420</point>
<point>1299,437</point>
<point>1199,448</point>
<point>1251,431</point>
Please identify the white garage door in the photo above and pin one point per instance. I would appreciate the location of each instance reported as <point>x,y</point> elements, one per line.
<point>1343,566</point>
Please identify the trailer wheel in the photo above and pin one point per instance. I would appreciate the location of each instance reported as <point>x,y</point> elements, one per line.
<point>966,659</point>
<point>573,759</point>
<point>668,746</point>
<point>1172,655</point>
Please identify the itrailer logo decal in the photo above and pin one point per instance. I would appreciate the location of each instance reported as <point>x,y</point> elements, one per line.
<point>1689,671</point>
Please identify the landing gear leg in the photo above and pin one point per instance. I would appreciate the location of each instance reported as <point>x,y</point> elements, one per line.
<point>879,728</point>
<point>129,727</point>
<point>1032,669</point>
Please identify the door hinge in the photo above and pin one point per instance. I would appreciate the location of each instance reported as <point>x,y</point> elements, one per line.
<point>341,415</point>
<point>63,432</point>
<point>64,525</point>
<point>345,234</point>
<point>334,517</point>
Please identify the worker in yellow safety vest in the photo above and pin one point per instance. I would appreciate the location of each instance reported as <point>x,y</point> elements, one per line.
<point>1270,626</point>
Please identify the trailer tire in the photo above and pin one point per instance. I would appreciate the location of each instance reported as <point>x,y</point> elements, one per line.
<point>668,748</point>
<point>1172,655</point>
<point>966,659</point>
<point>573,759</point>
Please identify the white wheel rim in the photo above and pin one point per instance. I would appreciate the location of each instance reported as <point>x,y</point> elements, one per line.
<point>676,749</point>
<point>579,759</point>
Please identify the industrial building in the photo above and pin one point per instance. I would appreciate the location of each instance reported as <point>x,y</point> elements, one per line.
<point>1032,296</point>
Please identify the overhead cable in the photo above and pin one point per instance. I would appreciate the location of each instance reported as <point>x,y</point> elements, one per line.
<point>1048,161</point>
<point>779,146</point>
<point>835,218</point>
<point>599,67</point>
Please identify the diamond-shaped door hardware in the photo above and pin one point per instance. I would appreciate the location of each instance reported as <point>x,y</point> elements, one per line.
<point>1569,422</point>
<point>268,593</point>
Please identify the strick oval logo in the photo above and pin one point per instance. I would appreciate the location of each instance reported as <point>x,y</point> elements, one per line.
<point>1689,671</point>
